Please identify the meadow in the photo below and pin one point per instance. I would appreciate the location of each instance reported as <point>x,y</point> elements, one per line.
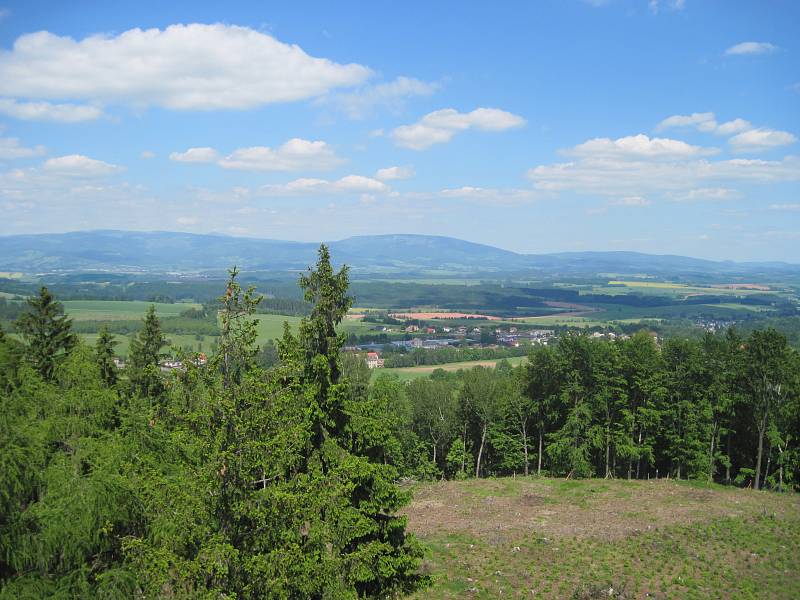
<point>556,538</point>
<point>270,327</point>
<point>108,310</point>
<point>411,373</point>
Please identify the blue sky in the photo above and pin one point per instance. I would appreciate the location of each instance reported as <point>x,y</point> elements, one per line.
<point>662,126</point>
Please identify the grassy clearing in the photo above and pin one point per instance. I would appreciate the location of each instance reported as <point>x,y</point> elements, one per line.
<point>553,538</point>
<point>111,310</point>
<point>410,373</point>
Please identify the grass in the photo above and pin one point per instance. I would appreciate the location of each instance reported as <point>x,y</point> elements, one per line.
<point>115,310</point>
<point>270,327</point>
<point>554,538</point>
<point>410,373</point>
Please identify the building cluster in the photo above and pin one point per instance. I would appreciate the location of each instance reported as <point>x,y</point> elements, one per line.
<point>513,337</point>
<point>168,365</point>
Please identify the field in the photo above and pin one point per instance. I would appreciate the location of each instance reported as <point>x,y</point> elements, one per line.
<point>270,327</point>
<point>110,310</point>
<point>409,373</point>
<point>556,538</point>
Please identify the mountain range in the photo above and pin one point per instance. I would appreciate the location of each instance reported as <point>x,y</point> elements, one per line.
<point>399,254</point>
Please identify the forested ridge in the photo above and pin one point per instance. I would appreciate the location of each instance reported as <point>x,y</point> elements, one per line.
<point>230,480</point>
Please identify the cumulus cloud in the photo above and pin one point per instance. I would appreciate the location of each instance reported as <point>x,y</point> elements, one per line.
<point>393,173</point>
<point>294,155</point>
<point>195,155</point>
<point>746,137</point>
<point>746,48</point>
<point>705,122</point>
<point>638,146</point>
<point>184,67</point>
<point>46,111</point>
<point>10,149</point>
<point>77,165</point>
<point>350,184</point>
<point>440,126</point>
<point>761,139</point>
<point>390,95</point>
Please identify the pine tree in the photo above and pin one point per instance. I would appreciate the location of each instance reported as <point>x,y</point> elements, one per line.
<point>104,355</point>
<point>47,332</point>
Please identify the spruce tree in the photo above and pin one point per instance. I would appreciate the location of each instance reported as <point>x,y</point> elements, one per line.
<point>145,354</point>
<point>104,355</point>
<point>359,499</point>
<point>47,332</point>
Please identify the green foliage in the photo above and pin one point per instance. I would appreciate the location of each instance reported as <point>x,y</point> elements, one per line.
<point>144,356</point>
<point>47,332</point>
<point>104,354</point>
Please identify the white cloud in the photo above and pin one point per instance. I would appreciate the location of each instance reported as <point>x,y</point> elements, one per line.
<point>631,201</point>
<point>393,173</point>
<point>195,155</point>
<point>629,176</point>
<point>194,67</point>
<point>77,165</point>
<point>733,126</point>
<point>350,184</point>
<point>761,139</point>
<point>10,149</point>
<point>705,122</point>
<point>391,95</point>
<point>440,126</point>
<point>146,154</point>
<point>751,48</point>
<point>708,193</point>
<point>785,207</point>
<point>187,220</point>
<point>638,146</point>
<point>46,111</point>
<point>294,155</point>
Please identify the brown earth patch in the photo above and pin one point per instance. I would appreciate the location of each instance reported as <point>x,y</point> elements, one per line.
<point>608,509</point>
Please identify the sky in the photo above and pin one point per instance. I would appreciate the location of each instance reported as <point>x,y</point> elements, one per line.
<point>660,126</point>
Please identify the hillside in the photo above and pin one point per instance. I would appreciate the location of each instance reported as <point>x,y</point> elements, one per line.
<point>556,538</point>
<point>406,255</point>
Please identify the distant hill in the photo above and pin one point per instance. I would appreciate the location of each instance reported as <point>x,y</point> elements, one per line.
<point>411,255</point>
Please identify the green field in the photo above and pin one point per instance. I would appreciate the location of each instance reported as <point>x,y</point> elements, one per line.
<point>270,327</point>
<point>110,310</point>
<point>556,538</point>
<point>410,373</point>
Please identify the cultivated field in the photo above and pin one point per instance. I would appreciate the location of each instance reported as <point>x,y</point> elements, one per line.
<point>555,538</point>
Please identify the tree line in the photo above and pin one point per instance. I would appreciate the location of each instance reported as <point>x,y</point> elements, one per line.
<point>723,408</point>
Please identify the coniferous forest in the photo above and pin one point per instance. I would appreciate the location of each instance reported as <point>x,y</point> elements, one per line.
<point>226,479</point>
